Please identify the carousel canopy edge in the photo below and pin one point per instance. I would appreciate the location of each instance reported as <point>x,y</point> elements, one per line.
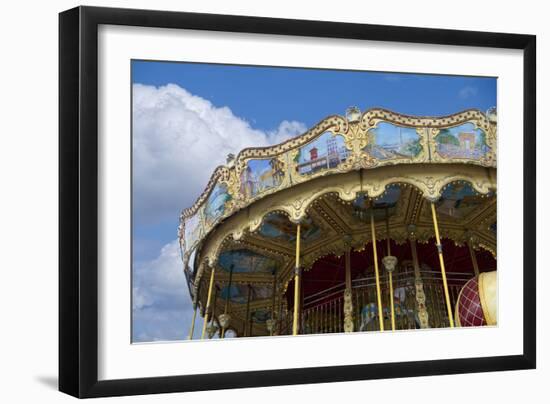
<point>338,144</point>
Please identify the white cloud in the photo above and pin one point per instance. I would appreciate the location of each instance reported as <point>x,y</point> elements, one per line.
<point>162,308</point>
<point>164,274</point>
<point>286,130</point>
<point>467,92</point>
<point>178,140</point>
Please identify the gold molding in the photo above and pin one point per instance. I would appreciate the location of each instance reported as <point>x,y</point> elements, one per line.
<point>356,136</point>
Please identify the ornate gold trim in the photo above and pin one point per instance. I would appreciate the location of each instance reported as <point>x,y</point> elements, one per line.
<point>356,137</point>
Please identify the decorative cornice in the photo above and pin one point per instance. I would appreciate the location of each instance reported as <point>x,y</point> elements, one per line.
<point>353,138</point>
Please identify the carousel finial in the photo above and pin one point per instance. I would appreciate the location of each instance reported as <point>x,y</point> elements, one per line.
<point>230,160</point>
<point>353,114</point>
<point>492,114</point>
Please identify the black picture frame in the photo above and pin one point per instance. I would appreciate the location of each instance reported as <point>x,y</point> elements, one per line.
<point>78,200</point>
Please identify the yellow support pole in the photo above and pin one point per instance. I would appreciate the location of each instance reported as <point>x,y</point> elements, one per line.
<point>208,302</point>
<point>193,322</point>
<point>296,283</point>
<point>442,265</point>
<point>379,298</point>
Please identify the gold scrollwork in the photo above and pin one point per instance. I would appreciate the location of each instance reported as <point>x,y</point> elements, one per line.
<point>356,137</point>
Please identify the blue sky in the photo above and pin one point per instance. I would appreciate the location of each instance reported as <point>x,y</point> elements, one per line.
<point>267,95</point>
<point>187,117</point>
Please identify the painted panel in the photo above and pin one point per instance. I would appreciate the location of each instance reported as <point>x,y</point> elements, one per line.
<point>214,207</point>
<point>193,230</point>
<point>388,200</point>
<point>262,292</point>
<point>277,226</point>
<point>239,293</point>
<point>458,200</point>
<point>261,175</point>
<point>389,141</point>
<point>464,141</point>
<point>246,261</point>
<point>325,152</point>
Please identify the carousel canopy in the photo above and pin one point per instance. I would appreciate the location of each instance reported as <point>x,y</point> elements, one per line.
<point>331,179</point>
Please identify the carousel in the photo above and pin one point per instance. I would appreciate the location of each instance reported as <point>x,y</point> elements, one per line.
<point>372,221</point>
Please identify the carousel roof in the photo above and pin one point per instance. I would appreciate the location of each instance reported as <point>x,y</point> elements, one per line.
<point>329,179</point>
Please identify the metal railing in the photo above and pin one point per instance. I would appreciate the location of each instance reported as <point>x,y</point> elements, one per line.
<point>323,312</point>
